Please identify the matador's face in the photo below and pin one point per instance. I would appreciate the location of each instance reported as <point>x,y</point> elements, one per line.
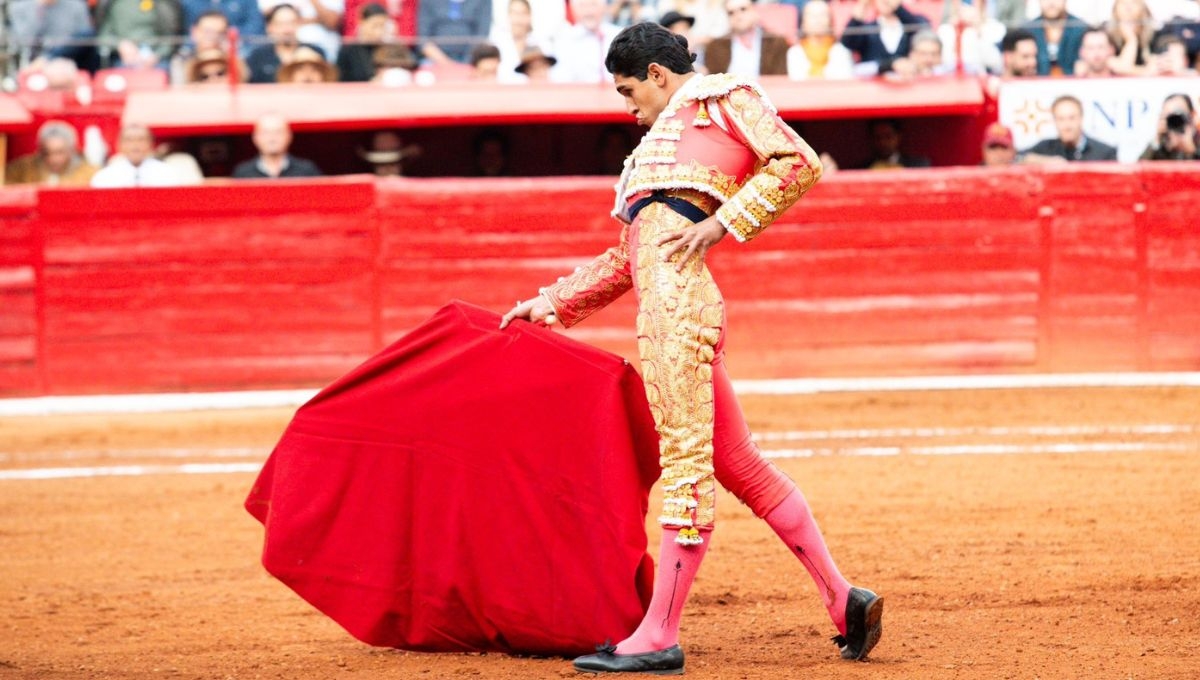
<point>645,99</point>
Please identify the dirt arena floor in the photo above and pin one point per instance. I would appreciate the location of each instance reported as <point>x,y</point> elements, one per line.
<point>1015,534</point>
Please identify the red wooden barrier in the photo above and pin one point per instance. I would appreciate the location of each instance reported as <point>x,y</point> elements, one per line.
<point>290,284</point>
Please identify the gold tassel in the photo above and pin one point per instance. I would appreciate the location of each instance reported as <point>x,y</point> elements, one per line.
<point>689,536</point>
<point>702,119</point>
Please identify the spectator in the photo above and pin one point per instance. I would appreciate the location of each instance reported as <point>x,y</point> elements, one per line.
<point>283,21</point>
<point>1132,31</point>
<point>885,38</point>
<point>485,62</point>
<point>1019,53</point>
<point>545,18</point>
<point>998,147</point>
<point>56,162</point>
<point>356,60</point>
<point>307,66</point>
<point>885,139</point>
<point>273,137</point>
<point>678,24</point>
<point>536,66</point>
<point>491,153</point>
<point>818,53</point>
<point>320,22</point>
<point>748,50</point>
<point>402,16</point>
<point>243,15</point>
<point>144,31</point>
<point>981,36</point>
<point>1096,54</point>
<point>1058,37</point>
<point>387,154</point>
<point>1189,31</point>
<point>1001,12</point>
<point>1169,57</point>
<point>518,37</point>
<point>582,47</point>
<point>38,29</point>
<point>209,36</point>
<point>628,12</point>
<point>924,59</point>
<point>1178,132</point>
<point>210,66</point>
<point>450,28</point>
<point>135,164</point>
<point>394,65</point>
<point>1070,144</point>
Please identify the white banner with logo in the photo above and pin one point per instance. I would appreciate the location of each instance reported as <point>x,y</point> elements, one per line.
<point>1121,112</point>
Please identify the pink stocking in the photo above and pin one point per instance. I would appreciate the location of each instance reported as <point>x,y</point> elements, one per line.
<point>677,567</point>
<point>793,522</point>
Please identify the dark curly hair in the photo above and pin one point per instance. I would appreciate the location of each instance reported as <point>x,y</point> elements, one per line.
<point>636,47</point>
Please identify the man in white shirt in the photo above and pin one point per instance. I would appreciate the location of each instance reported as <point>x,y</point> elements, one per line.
<point>135,166</point>
<point>581,47</point>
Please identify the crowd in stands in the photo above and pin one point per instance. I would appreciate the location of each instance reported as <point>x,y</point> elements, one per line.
<point>400,42</point>
<point>448,38</point>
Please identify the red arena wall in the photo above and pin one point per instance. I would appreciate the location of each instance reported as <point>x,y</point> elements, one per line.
<point>290,284</point>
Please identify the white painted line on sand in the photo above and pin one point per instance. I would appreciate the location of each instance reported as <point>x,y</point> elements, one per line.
<point>946,432</point>
<point>984,449</point>
<point>129,471</point>
<point>201,401</point>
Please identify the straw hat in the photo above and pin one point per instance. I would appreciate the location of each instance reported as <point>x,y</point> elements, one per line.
<point>307,55</point>
<point>534,54</point>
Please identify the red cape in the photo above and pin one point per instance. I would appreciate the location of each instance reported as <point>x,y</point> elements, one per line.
<point>469,489</point>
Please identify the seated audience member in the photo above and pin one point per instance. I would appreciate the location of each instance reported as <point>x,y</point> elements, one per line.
<point>450,28</point>
<point>536,65</point>
<point>355,61</point>
<point>307,66</point>
<point>1132,31</point>
<point>981,36</point>
<point>273,137</point>
<point>394,65</point>
<point>879,41</point>
<point>491,153</point>
<point>244,15</point>
<point>1070,144</point>
<point>283,21</point>
<point>209,37</point>
<point>1189,31</point>
<point>1178,132</point>
<point>885,139</point>
<point>1169,57</point>
<point>747,50</point>
<point>677,23</point>
<point>924,60</point>
<point>1096,53</point>
<point>135,164</point>
<point>38,29</point>
<point>513,37</point>
<point>818,53</point>
<point>485,63</point>
<point>1058,35</point>
<point>581,47</point>
<point>402,16</point>
<point>209,66</point>
<point>143,31</point>
<point>998,147</point>
<point>320,22</point>
<point>628,12</point>
<point>57,161</point>
<point>387,153</point>
<point>1019,54</point>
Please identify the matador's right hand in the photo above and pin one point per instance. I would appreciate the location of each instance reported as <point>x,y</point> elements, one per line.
<point>536,310</point>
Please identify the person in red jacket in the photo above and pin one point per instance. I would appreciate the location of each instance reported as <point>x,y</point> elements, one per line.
<point>717,160</point>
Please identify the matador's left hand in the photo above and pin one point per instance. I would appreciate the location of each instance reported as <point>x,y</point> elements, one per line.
<point>695,240</point>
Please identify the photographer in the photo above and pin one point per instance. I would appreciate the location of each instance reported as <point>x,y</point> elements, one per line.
<point>1178,137</point>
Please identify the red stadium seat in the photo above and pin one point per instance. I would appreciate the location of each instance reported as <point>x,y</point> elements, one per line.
<point>114,84</point>
<point>781,19</point>
<point>36,91</point>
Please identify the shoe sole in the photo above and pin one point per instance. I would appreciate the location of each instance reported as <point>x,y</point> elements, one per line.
<point>874,628</point>
<point>669,671</point>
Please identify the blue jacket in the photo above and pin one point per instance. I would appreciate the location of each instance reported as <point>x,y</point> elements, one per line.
<point>243,15</point>
<point>1068,46</point>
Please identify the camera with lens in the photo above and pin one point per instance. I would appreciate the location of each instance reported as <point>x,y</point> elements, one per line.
<point>1177,122</point>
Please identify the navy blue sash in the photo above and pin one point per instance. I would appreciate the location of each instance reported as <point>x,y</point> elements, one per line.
<point>673,202</point>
